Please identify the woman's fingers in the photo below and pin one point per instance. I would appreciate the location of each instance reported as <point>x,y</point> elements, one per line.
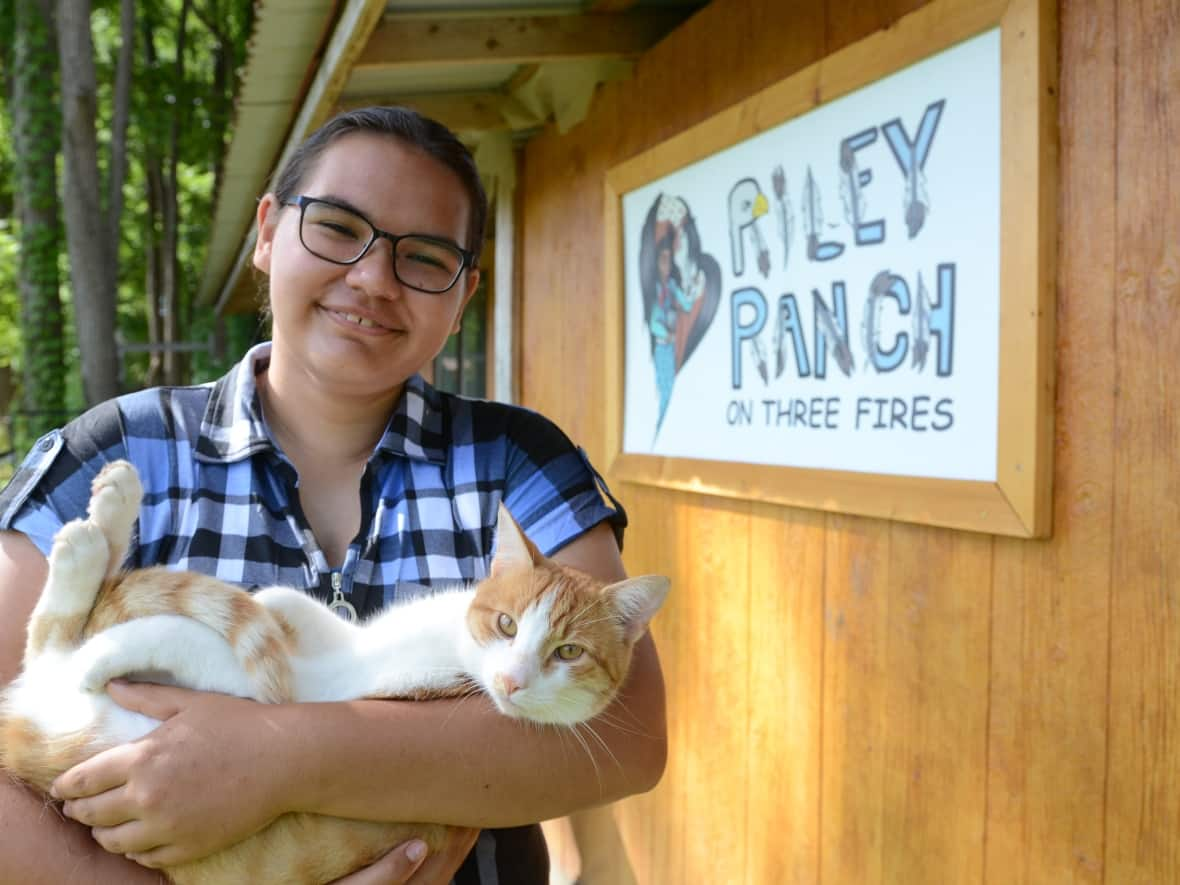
<point>395,868</point>
<point>441,866</point>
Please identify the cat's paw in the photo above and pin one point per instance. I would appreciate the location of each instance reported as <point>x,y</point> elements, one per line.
<point>114,506</point>
<point>79,556</point>
<point>115,495</point>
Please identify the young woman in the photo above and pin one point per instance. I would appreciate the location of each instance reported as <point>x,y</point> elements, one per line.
<point>324,461</point>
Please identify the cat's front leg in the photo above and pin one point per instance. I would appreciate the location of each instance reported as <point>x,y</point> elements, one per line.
<point>77,563</point>
<point>166,649</point>
<point>102,659</point>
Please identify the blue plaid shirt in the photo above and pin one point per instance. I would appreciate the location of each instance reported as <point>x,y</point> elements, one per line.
<point>221,498</point>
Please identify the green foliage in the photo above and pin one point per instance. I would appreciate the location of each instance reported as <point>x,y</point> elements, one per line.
<point>36,137</point>
<point>10,339</point>
<point>181,116</point>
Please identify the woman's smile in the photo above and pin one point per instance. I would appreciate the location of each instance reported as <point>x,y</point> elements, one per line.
<point>359,321</point>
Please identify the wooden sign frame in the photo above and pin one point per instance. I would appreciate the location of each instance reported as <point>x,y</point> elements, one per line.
<point>1018,502</point>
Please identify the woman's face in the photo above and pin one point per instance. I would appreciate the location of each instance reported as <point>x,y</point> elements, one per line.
<point>316,305</point>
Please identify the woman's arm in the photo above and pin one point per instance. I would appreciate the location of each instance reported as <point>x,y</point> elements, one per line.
<point>38,845</point>
<point>455,762</point>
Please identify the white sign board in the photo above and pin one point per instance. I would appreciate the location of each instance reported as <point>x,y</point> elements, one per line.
<point>826,294</point>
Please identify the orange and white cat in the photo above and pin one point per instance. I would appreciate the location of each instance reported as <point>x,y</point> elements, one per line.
<point>545,642</point>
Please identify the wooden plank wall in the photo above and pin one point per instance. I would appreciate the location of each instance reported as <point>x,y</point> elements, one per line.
<point>858,701</point>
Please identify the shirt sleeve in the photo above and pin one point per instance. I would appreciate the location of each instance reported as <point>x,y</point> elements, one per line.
<point>52,484</point>
<point>552,489</point>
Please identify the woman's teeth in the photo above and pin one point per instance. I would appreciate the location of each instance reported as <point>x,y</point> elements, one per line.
<point>360,321</point>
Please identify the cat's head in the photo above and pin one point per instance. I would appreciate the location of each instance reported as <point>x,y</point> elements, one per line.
<point>557,642</point>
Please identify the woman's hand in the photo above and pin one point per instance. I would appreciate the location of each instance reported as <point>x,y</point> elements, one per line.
<point>200,782</point>
<point>404,866</point>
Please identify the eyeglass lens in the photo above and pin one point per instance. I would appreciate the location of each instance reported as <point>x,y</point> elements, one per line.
<point>341,236</point>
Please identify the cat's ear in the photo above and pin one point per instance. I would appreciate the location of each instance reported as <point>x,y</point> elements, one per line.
<point>513,549</point>
<point>637,601</point>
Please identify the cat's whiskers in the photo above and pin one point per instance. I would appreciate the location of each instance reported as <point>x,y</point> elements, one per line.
<point>618,723</point>
<point>469,690</point>
<point>561,731</point>
<point>576,731</point>
<point>618,715</point>
<point>591,621</point>
<point>583,622</point>
<point>606,748</point>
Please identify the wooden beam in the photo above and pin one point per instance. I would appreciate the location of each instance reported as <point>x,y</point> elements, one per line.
<point>611,5</point>
<point>522,76</point>
<point>401,42</point>
<point>504,297</point>
<point>458,111</point>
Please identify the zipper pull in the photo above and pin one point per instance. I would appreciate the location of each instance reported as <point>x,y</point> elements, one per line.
<point>339,606</point>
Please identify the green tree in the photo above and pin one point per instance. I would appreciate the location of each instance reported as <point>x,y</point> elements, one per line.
<point>92,227</point>
<point>191,52</point>
<point>36,121</point>
<point>146,108</point>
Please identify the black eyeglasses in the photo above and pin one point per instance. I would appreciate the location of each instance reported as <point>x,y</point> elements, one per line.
<point>343,236</point>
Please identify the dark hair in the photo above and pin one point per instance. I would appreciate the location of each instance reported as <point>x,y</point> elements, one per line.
<point>667,243</point>
<point>429,136</point>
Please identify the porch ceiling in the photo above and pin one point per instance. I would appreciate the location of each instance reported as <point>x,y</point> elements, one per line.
<point>495,72</point>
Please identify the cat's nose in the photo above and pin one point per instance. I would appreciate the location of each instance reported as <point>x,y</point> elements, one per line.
<point>506,684</point>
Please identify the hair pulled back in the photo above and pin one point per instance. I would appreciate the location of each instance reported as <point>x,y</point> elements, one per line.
<point>409,127</point>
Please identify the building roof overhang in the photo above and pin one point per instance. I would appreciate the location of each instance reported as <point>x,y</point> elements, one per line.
<point>493,72</point>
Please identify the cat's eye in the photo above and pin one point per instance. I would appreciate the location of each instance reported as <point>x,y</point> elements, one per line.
<point>569,652</point>
<point>507,625</point>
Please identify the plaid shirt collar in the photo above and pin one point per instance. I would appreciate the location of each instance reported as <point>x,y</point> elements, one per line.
<point>233,427</point>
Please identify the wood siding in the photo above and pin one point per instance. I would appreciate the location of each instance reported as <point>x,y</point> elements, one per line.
<point>858,701</point>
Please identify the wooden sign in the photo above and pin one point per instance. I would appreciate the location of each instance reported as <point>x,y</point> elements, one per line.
<point>838,294</point>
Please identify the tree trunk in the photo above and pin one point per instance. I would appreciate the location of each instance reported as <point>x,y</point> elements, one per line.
<point>153,175</point>
<point>174,361</point>
<point>122,114</point>
<point>154,261</point>
<point>36,126</point>
<point>93,267</point>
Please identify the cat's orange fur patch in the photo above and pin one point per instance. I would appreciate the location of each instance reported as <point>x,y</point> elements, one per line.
<point>25,749</point>
<point>56,631</point>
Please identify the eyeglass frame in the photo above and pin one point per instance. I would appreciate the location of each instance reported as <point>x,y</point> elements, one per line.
<point>467,259</point>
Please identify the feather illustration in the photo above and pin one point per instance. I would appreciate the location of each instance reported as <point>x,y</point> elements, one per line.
<point>850,190</point>
<point>921,326</point>
<point>917,202</point>
<point>813,214</point>
<point>871,326</point>
<point>839,344</point>
<point>786,220</point>
<point>780,350</point>
<point>760,359</point>
<point>763,252</point>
